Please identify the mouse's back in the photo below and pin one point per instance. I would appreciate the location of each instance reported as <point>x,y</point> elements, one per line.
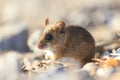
<point>80,43</point>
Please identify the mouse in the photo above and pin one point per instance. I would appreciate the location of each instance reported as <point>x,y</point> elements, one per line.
<point>66,41</point>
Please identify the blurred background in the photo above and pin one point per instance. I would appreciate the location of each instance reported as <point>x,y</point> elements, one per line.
<point>19,18</point>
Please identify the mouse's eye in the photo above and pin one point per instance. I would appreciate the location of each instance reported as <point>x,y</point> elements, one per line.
<point>49,37</point>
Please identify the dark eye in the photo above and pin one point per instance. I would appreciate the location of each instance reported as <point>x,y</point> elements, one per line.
<point>49,37</point>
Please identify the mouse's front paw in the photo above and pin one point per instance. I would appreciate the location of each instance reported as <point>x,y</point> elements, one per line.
<point>49,55</point>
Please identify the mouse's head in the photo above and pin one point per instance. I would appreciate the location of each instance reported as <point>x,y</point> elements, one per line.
<point>52,36</point>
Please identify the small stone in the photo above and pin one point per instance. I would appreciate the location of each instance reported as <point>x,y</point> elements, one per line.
<point>14,37</point>
<point>90,67</point>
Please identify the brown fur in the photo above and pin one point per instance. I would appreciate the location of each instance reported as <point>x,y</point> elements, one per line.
<point>72,41</point>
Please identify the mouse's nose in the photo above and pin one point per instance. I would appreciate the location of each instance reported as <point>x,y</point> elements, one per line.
<point>41,45</point>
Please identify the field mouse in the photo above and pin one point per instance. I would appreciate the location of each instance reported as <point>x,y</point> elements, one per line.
<point>67,41</point>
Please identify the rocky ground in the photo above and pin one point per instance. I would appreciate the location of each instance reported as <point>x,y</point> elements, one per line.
<point>19,24</point>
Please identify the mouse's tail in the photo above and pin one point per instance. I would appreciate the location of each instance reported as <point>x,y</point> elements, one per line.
<point>108,46</point>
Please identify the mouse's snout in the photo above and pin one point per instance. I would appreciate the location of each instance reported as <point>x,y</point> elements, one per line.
<point>42,45</point>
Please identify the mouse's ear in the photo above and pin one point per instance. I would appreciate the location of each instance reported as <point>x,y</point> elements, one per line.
<point>46,22</point>
<point>59,26</point>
